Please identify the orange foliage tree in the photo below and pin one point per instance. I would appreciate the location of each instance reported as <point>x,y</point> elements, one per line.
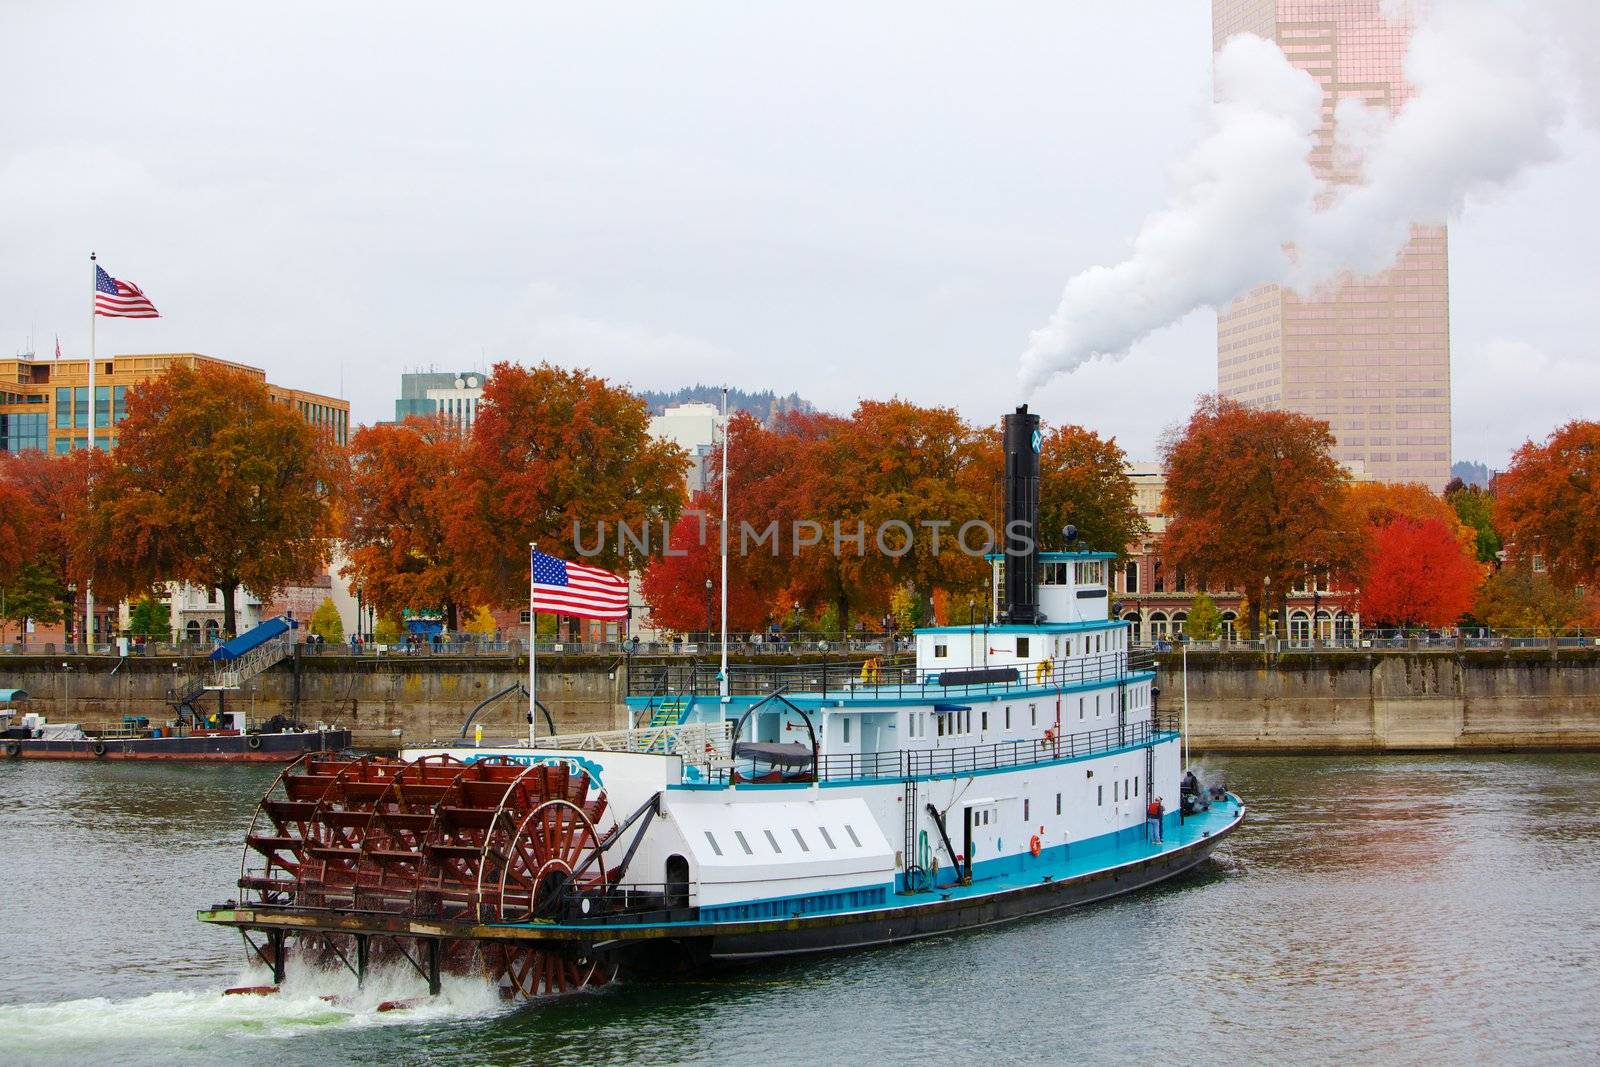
<point>1549,503</point>
<point>214,483</point>
<point>14,525</point>
<point>1255,495</point>
<point>403,482</point>
<point>551,450</point>
<point>1417,573</point>
<point>1083,481</point>
<point>1374,504</point>
<point>52,494</point>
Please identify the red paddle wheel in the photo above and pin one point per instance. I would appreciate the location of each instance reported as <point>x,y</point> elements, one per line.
<point>492,841</point>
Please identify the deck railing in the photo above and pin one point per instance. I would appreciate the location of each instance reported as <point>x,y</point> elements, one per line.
<point>880,679</point>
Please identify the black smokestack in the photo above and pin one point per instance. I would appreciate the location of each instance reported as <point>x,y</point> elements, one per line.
<point>1020,539</point>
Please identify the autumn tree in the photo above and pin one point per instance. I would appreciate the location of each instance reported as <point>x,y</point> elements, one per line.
<point>553,451</point>
<point>56,550</point>
<point>1083,481</point>
<point>1254,495</point>
<point>1417,573</point>
<point>14,524</point>
<point>1549,503</point>
<point>1515,598</point>
<point>1475,508</point>
<point>326,623</point>
<point>404,482</point>
<point>674,583</point>
<point>1375,504</point>
<point>214,483</point>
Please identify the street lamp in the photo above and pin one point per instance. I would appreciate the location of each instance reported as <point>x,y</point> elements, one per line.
<point>1266,603</point>
<point>708,611</point>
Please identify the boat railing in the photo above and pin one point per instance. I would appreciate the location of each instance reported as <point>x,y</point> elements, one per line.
<point>697,742</point>
<point>901,764</point>
<point>874,678</point>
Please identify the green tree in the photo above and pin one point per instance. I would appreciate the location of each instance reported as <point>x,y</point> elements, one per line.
<point>35,593</point>
<point>325,622</point>
<point>214,482</point>
<point>1475,508</point>
<point>149,617</point>
<point>1205,621</point>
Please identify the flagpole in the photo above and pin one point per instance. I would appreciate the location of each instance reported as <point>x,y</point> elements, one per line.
<point>94,284</point>
<point>533,653</point>
<point>722,676</point>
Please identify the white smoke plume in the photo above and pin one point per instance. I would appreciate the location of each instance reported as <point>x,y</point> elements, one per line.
<point>1247,208</point>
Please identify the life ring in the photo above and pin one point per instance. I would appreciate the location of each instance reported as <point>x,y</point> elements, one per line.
<point>13,749</point>
<point>254,741</point>
<point>1035,846</point>
<point>99,748</point>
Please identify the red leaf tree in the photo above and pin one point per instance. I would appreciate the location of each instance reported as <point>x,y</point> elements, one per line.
<point>674,583</point>
<point>1417,573</point>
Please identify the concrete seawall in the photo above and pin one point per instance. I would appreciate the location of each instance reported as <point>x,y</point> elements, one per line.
<point>1239,701</point>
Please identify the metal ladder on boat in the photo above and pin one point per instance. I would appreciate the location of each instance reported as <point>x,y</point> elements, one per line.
<point>910,862</point>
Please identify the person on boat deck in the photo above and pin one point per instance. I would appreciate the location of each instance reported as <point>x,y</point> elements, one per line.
<point>1152,820</point>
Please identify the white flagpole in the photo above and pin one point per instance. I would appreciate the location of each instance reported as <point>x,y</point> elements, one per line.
<point>723,676</point>
<point>94,286</point>
<point>533,654</point>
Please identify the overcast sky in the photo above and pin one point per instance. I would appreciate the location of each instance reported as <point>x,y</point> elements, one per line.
<point>844,203</point>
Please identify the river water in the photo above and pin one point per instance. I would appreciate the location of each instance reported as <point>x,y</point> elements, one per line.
<point>1399,909</point>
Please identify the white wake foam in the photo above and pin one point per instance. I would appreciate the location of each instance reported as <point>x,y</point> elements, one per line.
<point>185,1017</point>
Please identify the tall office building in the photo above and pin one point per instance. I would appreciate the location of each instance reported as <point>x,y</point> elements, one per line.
<point>1372,355</point>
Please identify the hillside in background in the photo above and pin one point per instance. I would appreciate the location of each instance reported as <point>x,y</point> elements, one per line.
<point>762,405</point>
<point>1471,473</point>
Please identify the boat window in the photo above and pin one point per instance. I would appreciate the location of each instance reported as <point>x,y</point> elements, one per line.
<point>748,851</point>
<point>846,731</point>
<point>773,841</point>
<point>823,830</point>
<point>984,720</point>
<point>714,846</point>
<point>803,846</point>
<point>1080,707</point>
<point>1100,795</point>
<point>1033,715</point>
<point>940,719</point>
<point>1116,793</point>
<point>1022,648</point>
<point>1025,815</point>
<point>1136,787</point>
<point>1008,716</point>
<point>941,651</point>
<point>1058,803</point>
<point>854,840</point>
<point>1097,705</point>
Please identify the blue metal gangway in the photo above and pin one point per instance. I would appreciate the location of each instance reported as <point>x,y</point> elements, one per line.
<point>253,638</point>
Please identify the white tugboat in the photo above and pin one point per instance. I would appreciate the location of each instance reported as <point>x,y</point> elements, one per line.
<point>1008,772</point>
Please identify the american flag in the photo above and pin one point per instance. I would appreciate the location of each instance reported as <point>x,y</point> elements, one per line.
<point>575,589</point>
<point>117,299</point>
